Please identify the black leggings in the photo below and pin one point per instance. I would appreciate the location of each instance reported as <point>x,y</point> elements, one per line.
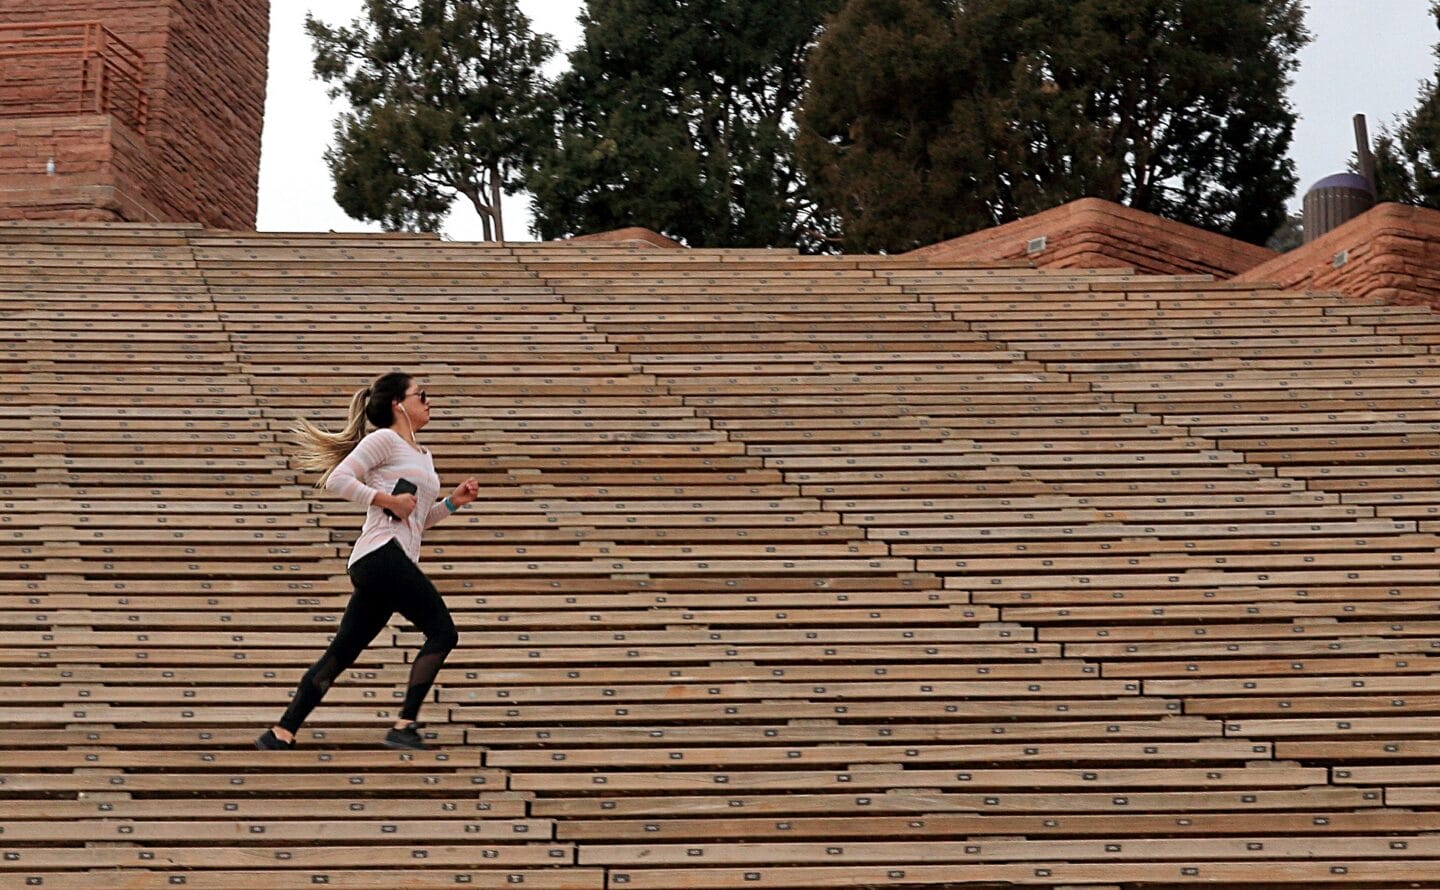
<point>386,581</point>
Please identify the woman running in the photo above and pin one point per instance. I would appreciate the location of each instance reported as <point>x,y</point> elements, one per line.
<point>383,566</point>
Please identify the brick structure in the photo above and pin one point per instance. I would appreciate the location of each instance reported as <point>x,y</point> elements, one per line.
<point>198,157</point>
<point>1391,252</point>
<point>634,236</point>
<point>1093,233</point>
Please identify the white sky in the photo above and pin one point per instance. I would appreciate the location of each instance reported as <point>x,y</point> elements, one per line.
<point>1367,56</point>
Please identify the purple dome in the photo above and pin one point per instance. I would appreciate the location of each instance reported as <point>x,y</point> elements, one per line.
<point>1344,181</point>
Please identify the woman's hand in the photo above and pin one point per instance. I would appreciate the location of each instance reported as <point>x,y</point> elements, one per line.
<point>402,505</point>
<point>465,492</point>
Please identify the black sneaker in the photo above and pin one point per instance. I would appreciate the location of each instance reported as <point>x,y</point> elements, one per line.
<point>268,741</point>
<point>409,737</point>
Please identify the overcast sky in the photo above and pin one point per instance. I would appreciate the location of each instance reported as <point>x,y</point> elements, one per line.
<point>1367,56</point>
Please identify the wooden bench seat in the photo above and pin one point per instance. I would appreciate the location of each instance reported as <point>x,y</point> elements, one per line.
<point>1315,824</point>
<point>1217,612</point>
<point>1219,752</point>
<point>811,692</point>
<point>463,679</point>
<point>1199,578</point>
<point>925,802</point>
<point>1226,594</point>
<point>1166,727</point>
<point>1351,751</point>
<point>329,855</point>
<point>1356,668</point>
<point>1306,685</point>
<point>755,336</point>
<point>730,273</point>
<point>1060,516</point>
<point>157,552</point>
<point>1335,705</point>
<point>253,716</point>
<point>550,878</point>
<point>390,694</point>
<point>194,831</point>
<point>1245,631</point>
<point>1115,780</point>
<point>1359,557</point>
<point>436,779</point>
<point>818,296</point>
<point>1129,314</point>
<point>1155,539</point>
<point>472,807</point>
<point>1229,850</point>
<point>983,360</point>
<point>1300,324</point>
<point>304,654</point>
<point>620,640</point>
<point>1268,648</point>
<point>1151,352</point>
<point>1303,873</point>
<point>1133,707</point>
<point>204,763</point>
<point>653,617</point>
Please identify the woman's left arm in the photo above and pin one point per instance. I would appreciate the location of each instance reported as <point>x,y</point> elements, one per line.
<point>463,494</point>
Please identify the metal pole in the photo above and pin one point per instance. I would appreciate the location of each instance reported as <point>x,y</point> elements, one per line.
<point>84,68</point>
<point>1362,153</point>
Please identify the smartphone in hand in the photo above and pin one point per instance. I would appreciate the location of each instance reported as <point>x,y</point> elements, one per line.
<point>402,486</point>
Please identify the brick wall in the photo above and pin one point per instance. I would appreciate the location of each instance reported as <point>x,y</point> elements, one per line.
<point>101,167</point>
<point>199,158</point>
<point>1391,252</point>
<point>1091,233</point>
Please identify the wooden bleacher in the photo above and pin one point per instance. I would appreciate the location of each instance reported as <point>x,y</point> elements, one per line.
<point>786,571</point>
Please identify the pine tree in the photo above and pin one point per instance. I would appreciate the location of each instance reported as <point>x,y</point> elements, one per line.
<point>927,119</point>
<point>447,100</point>
<point>678,115</point>
<point>1407,156</point>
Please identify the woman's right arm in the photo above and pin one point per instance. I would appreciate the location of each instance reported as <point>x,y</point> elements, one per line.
<point>346,479</point>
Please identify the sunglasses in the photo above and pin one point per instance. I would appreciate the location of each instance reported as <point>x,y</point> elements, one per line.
<point>424,399</point>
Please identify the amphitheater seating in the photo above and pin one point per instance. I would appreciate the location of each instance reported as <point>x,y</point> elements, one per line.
<point>786,571</point>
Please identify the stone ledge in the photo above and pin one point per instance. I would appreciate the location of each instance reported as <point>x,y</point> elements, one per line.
<point>1092,233</point>
<point>1391,252</point>
<point>634,236</point>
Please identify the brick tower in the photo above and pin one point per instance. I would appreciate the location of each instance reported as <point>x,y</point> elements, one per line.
<point>135,110</point>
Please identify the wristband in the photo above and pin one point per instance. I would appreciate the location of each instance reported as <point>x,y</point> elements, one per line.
<point>450,505</point>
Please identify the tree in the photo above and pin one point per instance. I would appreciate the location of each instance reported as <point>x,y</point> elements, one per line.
<point>1407,155</point>
<point>1289,236</point>
<point>446,100</point>
<point>927,119</point>
<point>678,115</point>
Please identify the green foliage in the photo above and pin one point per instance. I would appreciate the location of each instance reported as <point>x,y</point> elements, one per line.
<point>927,119</point>
<point>678,115</point>
<point>446,100</point>
<point>1407,156</point>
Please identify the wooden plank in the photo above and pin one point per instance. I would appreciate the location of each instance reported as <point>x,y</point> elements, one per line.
<point>1127,801</point>
<point>841,755</point>
<point>150,879</point>
<point>1133,707</point>
<point>1118,779</point>
<point>994,826</point>
<point>1312,873</point>
<point>1248,847</point>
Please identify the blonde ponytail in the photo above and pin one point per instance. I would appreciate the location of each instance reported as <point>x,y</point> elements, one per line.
<point>320,450</point>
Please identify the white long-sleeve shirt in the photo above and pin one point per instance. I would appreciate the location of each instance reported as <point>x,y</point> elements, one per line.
<point>382,457</point>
